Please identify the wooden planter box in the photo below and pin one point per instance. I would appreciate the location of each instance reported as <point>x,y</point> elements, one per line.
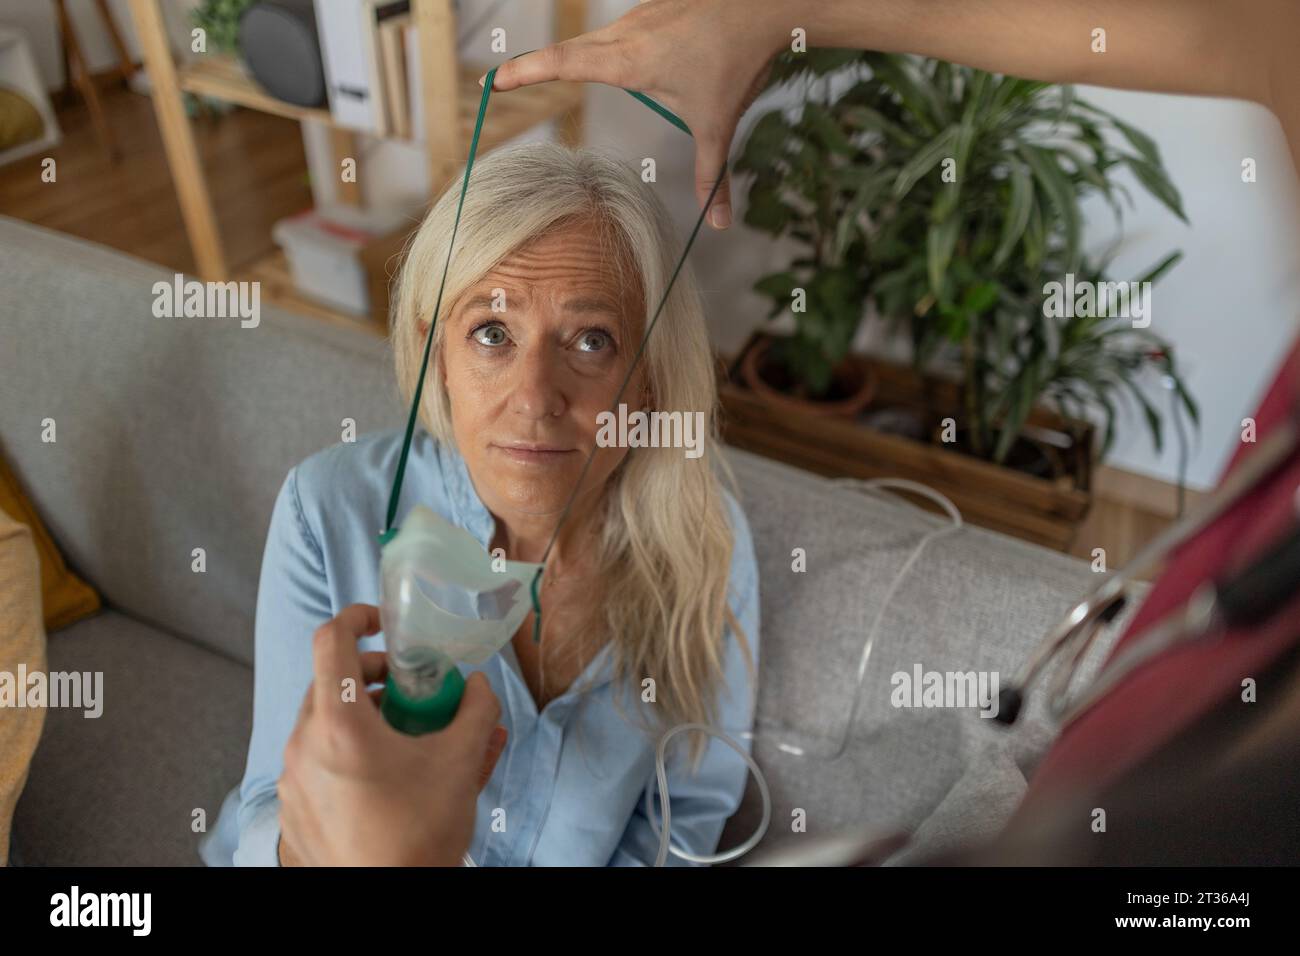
<point>1041,510</point>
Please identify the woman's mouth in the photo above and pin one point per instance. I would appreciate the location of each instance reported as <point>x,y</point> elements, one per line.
<point>533,453</point>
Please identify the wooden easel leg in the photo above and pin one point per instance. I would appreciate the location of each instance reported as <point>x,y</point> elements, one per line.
<point>79,73</point>
<point>123,57</point>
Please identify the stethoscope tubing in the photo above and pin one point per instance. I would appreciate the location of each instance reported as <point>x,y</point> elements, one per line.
<point>1274,575</point>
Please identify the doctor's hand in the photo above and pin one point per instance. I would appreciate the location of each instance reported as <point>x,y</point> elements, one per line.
<point>705,60</point>
<point>354,791</point>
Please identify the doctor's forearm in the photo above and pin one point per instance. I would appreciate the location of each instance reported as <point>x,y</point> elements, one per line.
<point>1179,46</point>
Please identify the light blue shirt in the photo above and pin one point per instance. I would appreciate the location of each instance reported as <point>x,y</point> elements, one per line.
<point>569,789</point>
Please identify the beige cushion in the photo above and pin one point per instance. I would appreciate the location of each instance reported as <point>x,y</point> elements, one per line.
<point>20,122</point>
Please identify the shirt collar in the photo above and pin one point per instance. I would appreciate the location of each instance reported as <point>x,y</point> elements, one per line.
<point>467,507</point>
<point>469,512</point>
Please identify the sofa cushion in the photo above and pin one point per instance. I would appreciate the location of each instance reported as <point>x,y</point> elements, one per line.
<point>122,788</point>
<point>975,600</point>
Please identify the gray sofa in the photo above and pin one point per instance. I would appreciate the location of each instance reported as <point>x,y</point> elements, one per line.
<point>174,434</point>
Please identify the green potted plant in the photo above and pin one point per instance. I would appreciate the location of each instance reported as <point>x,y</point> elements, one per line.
<point>1015,357</point>
<point>220,20</point>
<point>949,198</point>
<point>799,169</point>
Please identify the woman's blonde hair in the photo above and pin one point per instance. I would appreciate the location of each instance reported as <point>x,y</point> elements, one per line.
<point>667,543</point>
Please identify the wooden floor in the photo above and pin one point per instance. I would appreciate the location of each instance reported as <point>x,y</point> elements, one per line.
<point>1121,529</point>
<point>256,168</point>
<point>257,174</point>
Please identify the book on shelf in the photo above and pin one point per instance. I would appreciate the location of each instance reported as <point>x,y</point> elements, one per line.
<point>352,50</point>
<point>414,88</point>
<point>392,67</point>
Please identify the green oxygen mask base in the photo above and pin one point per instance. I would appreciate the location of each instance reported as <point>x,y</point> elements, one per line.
<point>444,600</point>
<point>422,715</point>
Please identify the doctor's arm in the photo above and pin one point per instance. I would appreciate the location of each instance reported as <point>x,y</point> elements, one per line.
<point>706,60</point>
<point>702,802</point>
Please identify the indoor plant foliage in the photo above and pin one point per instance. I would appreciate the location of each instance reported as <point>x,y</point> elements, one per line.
<point>220,20</point>
<point>949,197</point>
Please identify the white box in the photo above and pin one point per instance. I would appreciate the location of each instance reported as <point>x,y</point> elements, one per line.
<point>324,246</point>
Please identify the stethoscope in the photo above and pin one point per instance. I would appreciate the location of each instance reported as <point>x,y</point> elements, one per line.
<point>1255,594</point>
<point>1242,598</point>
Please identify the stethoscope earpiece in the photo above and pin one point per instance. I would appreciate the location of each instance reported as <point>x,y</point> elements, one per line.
<point>1010,702</point>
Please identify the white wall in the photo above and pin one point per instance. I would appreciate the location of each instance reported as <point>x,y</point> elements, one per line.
<point>1232,306</point>
<point>38,20</point>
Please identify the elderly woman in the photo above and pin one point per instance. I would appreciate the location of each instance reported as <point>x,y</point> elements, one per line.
<point>650,593</point>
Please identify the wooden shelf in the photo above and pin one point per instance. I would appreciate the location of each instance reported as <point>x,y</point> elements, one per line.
<point>224,78</point>
<point>509,114</point>
<point>450,95</point>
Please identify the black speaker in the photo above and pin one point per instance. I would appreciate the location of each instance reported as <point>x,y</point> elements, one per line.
<point>278,42</point>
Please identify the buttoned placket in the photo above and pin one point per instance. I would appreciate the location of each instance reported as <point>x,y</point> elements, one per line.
<point>537,767</point>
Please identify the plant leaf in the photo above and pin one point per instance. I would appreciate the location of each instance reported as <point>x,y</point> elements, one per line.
<point>825,128</point>
<point>924,160</point>
<point>865,118</point>
<point>1060,193</point>
<point>1157,184</point>
<point>949,193</point>
<point>916,92</point>
<point>1156,272</point>
<point>940,240</point>
<point>1019,205</point>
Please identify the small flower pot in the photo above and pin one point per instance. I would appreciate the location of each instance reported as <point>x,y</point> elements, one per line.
<point>853,385</point>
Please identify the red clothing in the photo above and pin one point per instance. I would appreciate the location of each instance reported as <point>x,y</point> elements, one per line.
<point>1164,696</point>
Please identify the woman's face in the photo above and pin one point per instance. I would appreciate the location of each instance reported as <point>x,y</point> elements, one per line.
<point>527,380</point>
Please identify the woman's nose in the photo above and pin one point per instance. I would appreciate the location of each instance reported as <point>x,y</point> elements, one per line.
<point>537,387</point>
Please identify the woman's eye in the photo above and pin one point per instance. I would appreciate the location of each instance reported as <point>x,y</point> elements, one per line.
<point>491,335</point>
<point>594,340</point>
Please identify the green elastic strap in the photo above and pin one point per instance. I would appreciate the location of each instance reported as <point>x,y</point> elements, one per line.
<point>389,531</point>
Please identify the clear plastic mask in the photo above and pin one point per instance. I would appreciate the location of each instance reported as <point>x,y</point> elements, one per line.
<point>442,598</point>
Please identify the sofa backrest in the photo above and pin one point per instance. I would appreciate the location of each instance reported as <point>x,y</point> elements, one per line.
<point>171,433</point>
<point>975,601</point>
